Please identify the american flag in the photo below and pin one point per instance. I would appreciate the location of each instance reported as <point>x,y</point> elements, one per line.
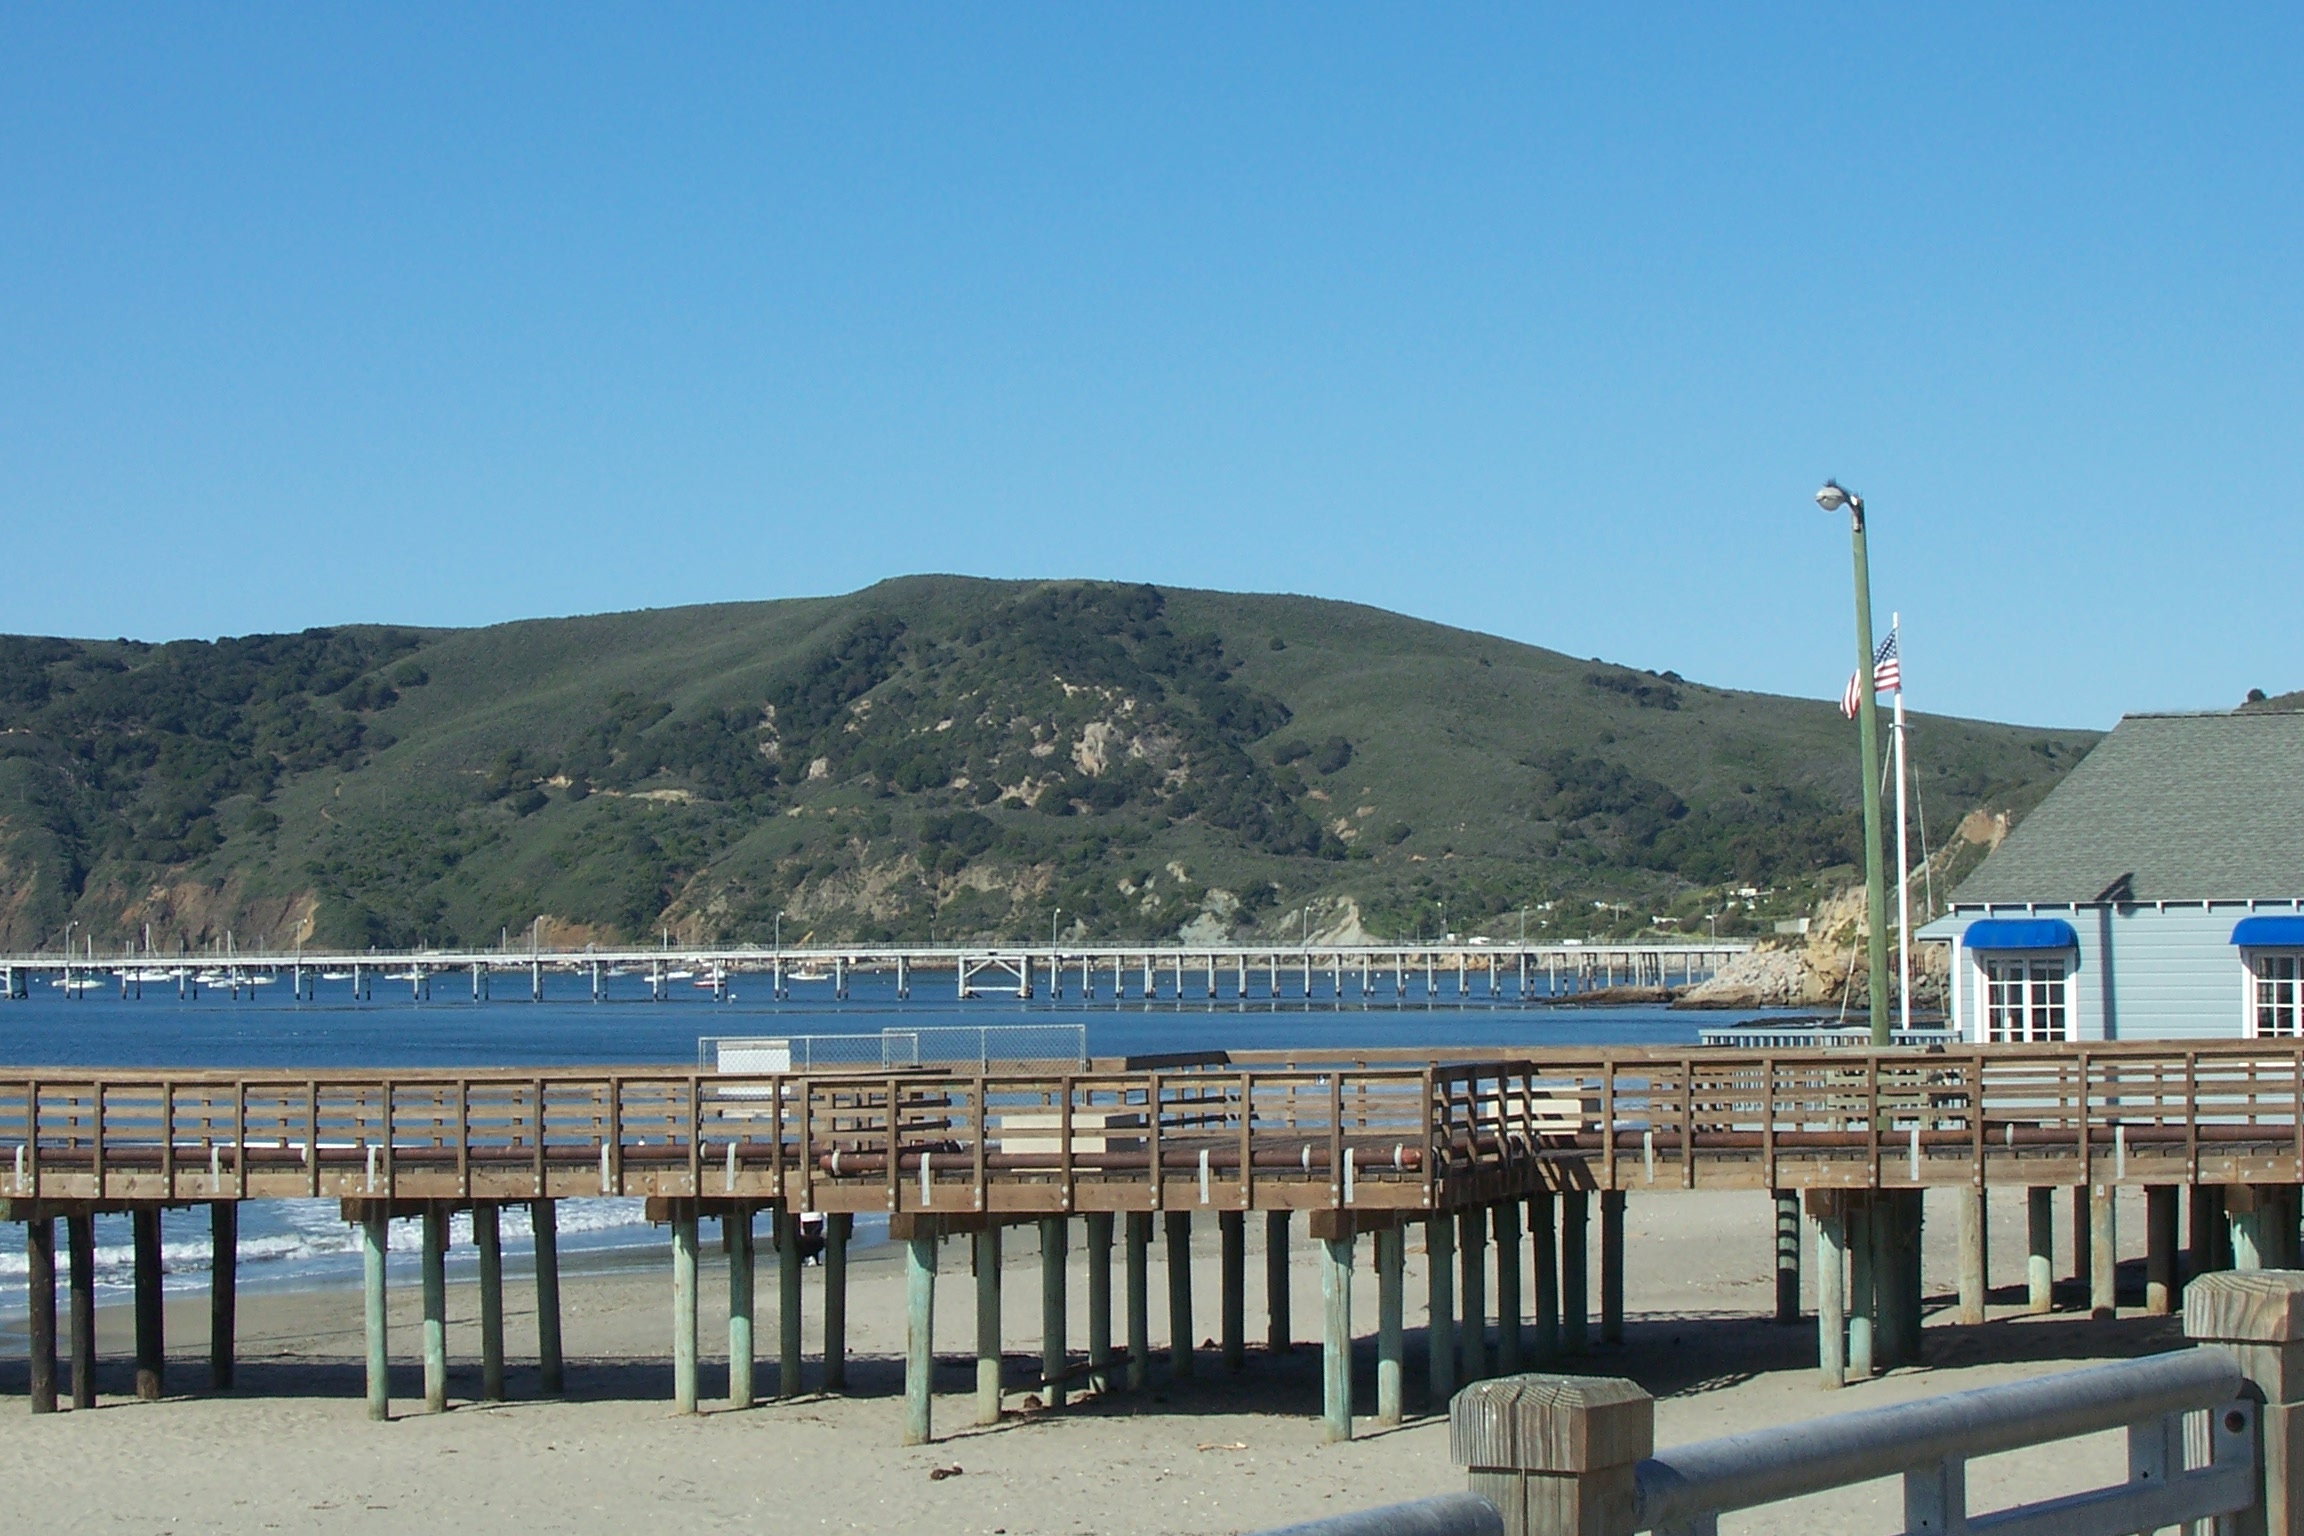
<point>1887,677</point>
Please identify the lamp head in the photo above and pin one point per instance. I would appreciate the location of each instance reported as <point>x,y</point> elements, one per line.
<point>1832,498</point>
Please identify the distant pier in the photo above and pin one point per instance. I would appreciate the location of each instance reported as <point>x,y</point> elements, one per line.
<point>1340,974</point>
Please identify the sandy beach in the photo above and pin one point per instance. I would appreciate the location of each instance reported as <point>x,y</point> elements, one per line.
<point>291,1449</point>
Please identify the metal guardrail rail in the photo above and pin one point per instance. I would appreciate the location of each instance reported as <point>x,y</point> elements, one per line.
<point>2175,1478</point>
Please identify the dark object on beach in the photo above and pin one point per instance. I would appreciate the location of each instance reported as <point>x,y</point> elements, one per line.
<point>938,1474</point>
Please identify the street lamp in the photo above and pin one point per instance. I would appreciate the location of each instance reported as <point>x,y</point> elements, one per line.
<point>1832,498</point>
<point>1052,927</point>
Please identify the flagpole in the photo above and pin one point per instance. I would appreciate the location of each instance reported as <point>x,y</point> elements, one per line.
<point>1903,849</point>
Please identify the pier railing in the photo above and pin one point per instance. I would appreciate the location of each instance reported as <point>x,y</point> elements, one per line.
<point>1570,1456</point>
<point>1372,1130</point>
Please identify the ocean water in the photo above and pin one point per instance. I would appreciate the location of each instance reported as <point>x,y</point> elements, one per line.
<point>305,1243</point>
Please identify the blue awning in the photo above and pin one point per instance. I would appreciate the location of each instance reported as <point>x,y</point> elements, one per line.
<point>2020,933</point>
<point>2270,932</point>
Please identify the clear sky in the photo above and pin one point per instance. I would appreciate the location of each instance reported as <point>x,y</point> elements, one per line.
<point>1541,321</point>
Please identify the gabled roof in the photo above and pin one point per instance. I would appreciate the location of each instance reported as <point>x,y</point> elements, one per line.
<point>2180,807</point>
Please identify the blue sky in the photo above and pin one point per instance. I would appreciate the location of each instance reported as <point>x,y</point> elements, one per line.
<point>1539,321</point>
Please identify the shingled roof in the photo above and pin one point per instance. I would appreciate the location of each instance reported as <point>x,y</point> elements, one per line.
<point>2185,807</point>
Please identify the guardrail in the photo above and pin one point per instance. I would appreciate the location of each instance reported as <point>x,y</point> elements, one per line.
<point>1569,1456</point>
<point>896,1047</point>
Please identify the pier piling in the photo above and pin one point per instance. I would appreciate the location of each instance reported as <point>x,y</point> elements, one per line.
<point>1975,1264</point>
<point>789,1280</point>
<point>743,1277</point>
<point>1054,1355</point>
<point>435,1262</point>
<point>1471,1294</point>
<point>543,1216</point>
<point>223,1292</point>
<point>1832,1292</point>
<point>1138,1264</point>
<point>1787,1256</point>
<point>1391,1285</point>
<point>1508,1288</point>
<point>919,1331</point>
<point>2040,1250</point>
<point>1276,1321</point>
<point>1100,1300</point>
<point>488,1238</point>
<point>684,1307</point>
<point>80,1237</point>
<point>151,1322</point>
<point>1862,1288</point>
<point>1612,1266</point>
<point>40,1298</point>
<point>1575,1273</point>
<point>1543,1231</point>
<point>1336,1336</point>
<point>1180,1337</point>
<point>2104,1252</point>
<point>1232,1285</point>
<point>839,1226</point>
<point>988,1351</point>
<point>373,1230</point>
<point>2160,1249</point>
<point>1440,1310</point>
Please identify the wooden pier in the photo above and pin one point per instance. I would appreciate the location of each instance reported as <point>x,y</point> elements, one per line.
<point>1500,1161</point>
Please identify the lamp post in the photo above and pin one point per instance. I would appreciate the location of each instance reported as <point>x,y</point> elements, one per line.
<point>1052,921</point>
<point>1832,498</point>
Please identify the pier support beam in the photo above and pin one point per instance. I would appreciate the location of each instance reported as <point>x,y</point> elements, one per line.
<point>1099,1225</point>
<point>1180,1336</point>
<point>1232,1281</point>
<point>1138,1265</point>
<point>743,1286</point>
<point>544,1216</point>
<point>1612,1266</point>
<point>2205,1248</point>
<point>1276,1324</point>
<point>80,1237</point>
<point>435,1272</point>
<point>839,1226</point>
<point>988,1325</point>
<point>684,1307</point>
<point>1787,1208</point>
<point>2160,1249</point>
<point>40,1307</point>
<point>373,1231</point>
<point>223,1292</point>
<point>919,1330</point>
<point>1575,1274</point>
<point>151,1322</point>
<point>1054,1353</point>
<point>1440,1309</point>
<point>1975,1279</point>
<point>1336,1337</point>
<point>2040,1250</point>
<point>2104,1252</point>
<point>1544,1230</point>
<point>488,1238</point>
<point>1391,1299</point>
<point>789,1282</point>
<point>1508,1290</point>
<point>1472,1294</point>
<point>1831,1292</point>
<point>2083,1235</point>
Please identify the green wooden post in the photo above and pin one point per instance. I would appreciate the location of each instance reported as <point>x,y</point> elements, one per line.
<point>1575,1274</point>
<point>1100,1301</point>
<point>223,1293</point>
<point>487,1236</point>
<point>1508,1287</point>
<point>919,1330</point>
<point>1336,1337</point>
<point>1391,1285</point>
<point>374,1229</point>
<point>1543,1228</point>
<point>684,1307</point>
<point>988,1350</point>
<point>789,1382</point>
<point>1232,1286</point>
<point>40,1307</point>
<point>1440,1309</point>
<point>1180,1334</point>
<point>1472,1294</point>
<point>2040,1249</point>
<point>743,1286</point>
<point>435,1272</point>
<point>544,1218</point>
<point>1054,1359</point>
<point>838,1226</point>
<point>1276,1336</point>
<point>1139,1265</point>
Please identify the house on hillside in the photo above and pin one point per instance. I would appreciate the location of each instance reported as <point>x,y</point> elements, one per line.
<point>2157,893</point>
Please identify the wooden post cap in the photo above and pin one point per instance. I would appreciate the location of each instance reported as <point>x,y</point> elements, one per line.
<point>2254,1306</point>
<point>1539,1423</point>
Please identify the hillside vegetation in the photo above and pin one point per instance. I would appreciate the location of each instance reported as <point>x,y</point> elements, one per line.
<point>930,757</point>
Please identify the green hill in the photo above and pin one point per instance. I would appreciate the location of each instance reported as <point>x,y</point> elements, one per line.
<point>934,755</point>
